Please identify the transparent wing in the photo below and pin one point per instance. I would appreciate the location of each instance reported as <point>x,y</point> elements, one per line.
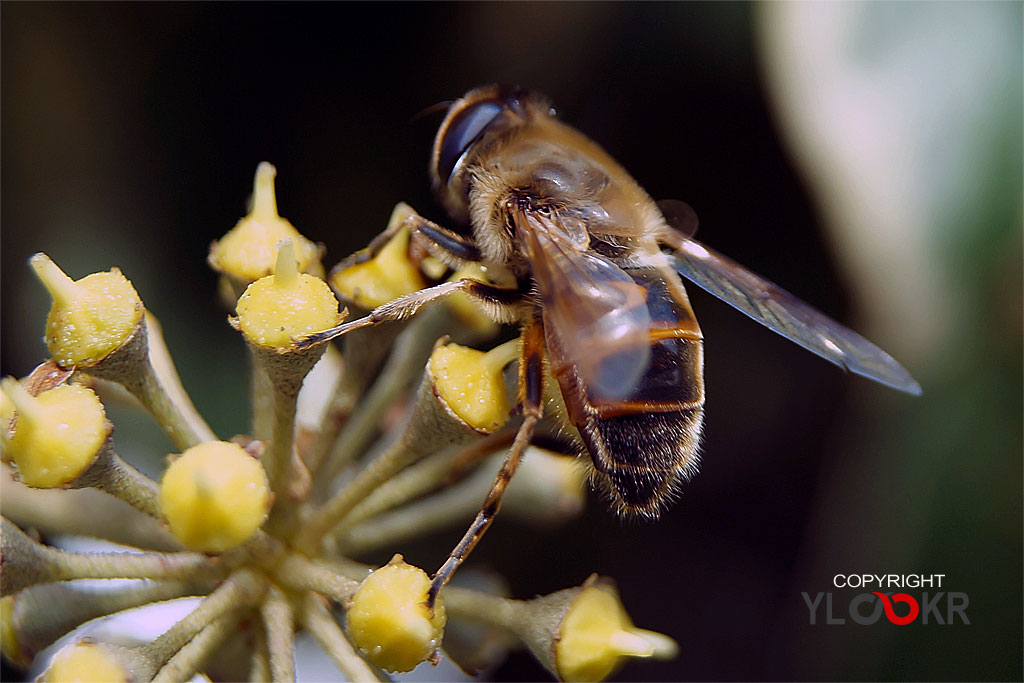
<point>782,312</point>
<point>597,312</point>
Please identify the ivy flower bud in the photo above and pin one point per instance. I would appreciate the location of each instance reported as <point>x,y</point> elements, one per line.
<point>466,310</point>
<point>389,621</point>
<point>85,661</point>
<point>248,251</point>
<point>6,415</point>
<point>214,496</point>
<point>57,434</point>
<point>91,317</point>
<point>88,660</point>
<point>585,634</point>
<point>10,645</point>
<point>597,635</point>
<point>370,282</point>
<point>288,304</point>
<point>471,383</point>
<point>433,267</point>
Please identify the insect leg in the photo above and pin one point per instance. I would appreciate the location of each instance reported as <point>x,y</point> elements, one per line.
<point>531,392</point>
<point>496,300</point>
<point>460,249</point>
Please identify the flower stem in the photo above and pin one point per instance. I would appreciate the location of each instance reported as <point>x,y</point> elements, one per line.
<point>184,664</point>
<point>298,573</point>
<point>431,427</point>
<point>60,511</point>
<point>136,566</point>
<point>111,474</point>
<point>42,614</point>
<point>410,354</point>
<point>414,481</point>
<point>325,630</point>
<point>143,366</point>
<point>287,474</point>
<point>27,563</point>
<point>279,624</point>
<point>445,468</point>
<point>243,588</point>
<point>159,387</point>
<point>259,667</point>
<point>473,605</point>
<point>453,504</point>
<point>262,399</point>
<point>285,369</point>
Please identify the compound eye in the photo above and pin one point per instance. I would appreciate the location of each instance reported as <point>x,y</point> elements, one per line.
<point>465,129</point>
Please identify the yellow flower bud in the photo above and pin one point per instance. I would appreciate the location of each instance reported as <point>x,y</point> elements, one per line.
<point>288,304</point>
<point>433,267</point>
<point>596,635</point>
<point>57,435</point>
<point>90,317</point>
<point>471,384</point>
<point>6,414</point>
<point>388,618</point>
<point>248,251</point>
<point>86,662</point>
<point>465,308</point>
<point>9,644</point>
<point>386,276</point>
<point>214,496</point>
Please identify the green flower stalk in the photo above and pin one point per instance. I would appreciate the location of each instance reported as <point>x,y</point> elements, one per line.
<point>279,624</point>
<point>185,663</point>
<point>111,474</point>
<point>326,631</point>
<point>34,618</point>
<point>547,489</point>
<point>29,563</point>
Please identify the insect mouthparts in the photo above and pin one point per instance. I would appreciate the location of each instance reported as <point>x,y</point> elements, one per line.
<point>523,200</point>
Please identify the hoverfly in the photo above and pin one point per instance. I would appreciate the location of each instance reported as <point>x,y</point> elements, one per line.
<point>593,272</point>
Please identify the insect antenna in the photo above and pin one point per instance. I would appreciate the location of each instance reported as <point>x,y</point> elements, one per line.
<point>434,108</point>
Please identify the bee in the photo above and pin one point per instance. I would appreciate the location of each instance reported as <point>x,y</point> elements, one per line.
<point>590,269</point>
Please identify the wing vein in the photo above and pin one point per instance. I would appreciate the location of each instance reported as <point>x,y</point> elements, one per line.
<point>785,314</point>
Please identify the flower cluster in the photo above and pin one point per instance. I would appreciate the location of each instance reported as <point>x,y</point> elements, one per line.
<point>266,528</point>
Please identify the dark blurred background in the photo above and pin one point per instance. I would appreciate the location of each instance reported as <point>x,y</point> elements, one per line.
<point>131,133</point>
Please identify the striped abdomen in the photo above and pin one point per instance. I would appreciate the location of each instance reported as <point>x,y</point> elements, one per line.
<point>643,440</point>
